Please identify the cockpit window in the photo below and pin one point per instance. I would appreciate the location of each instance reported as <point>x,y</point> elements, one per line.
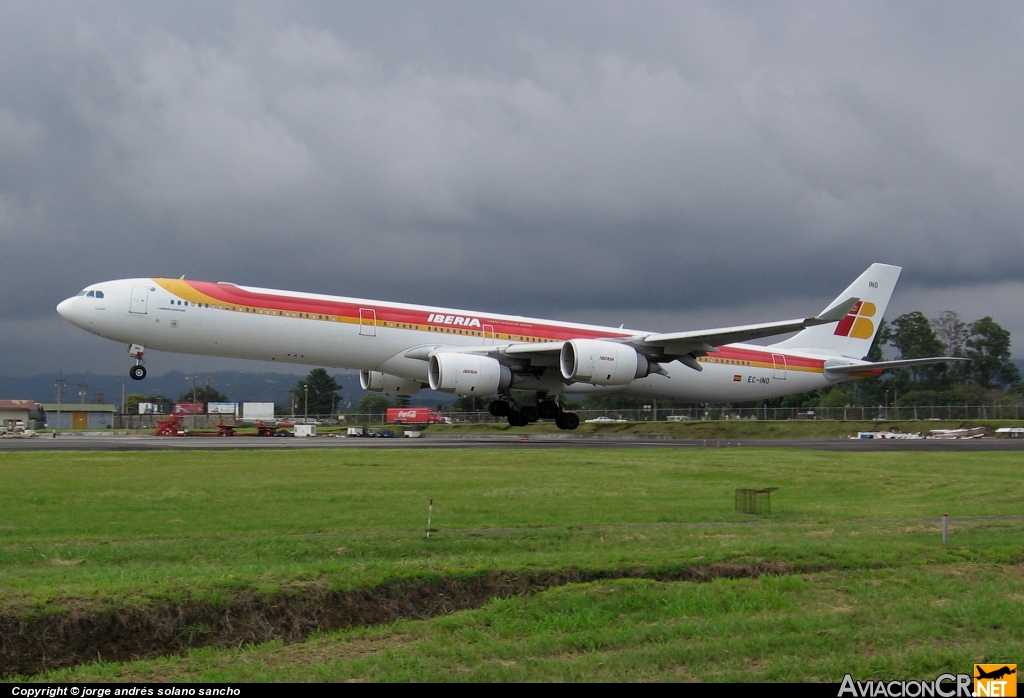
<point>90,294</point>
<point>99,294</point>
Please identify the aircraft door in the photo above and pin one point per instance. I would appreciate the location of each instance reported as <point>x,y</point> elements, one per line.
<point>488,335</point>
<point>780,367</point>
<point>140,299</point>
<point>368,322</point>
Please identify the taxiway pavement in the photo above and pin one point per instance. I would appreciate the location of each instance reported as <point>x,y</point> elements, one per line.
<point>109,442</point>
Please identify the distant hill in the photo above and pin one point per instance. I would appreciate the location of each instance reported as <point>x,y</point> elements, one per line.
<point>239,386</point>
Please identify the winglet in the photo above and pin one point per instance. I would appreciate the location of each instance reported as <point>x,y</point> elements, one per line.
<point>835,313</point>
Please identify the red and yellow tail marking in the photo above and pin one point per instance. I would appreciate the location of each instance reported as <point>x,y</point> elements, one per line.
<point>856,323</point>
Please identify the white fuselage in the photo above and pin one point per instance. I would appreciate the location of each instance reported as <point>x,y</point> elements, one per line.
<point>301,328</point>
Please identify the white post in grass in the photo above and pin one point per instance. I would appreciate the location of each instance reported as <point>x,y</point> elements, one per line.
<point>945,529</point>
<point>430,513</point>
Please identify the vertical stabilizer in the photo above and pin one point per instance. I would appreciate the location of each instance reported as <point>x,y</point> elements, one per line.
<point>852,336</point>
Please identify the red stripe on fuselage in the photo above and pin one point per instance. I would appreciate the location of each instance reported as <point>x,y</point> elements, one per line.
<point>226,293</point>
<point>740,354</point>
<point>503,329</point>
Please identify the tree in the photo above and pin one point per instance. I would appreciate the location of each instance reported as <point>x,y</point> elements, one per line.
<point>205,395</point>
<point>988,348</point>
<point>470,403</point>
<point>952,332</point>
<point>835,397</point>
<point>132,400</point>
<point>373,404</point>
<point>614,402</point>
<point>913,336</point>
<point>882,338</point>
<point>322,394</point>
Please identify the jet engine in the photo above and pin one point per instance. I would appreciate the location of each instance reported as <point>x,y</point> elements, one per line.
<point>377,382</point>
<point>467,374</point>
<point>602,363</point>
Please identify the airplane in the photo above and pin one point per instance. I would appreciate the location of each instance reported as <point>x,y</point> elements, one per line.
<point>401,348</point>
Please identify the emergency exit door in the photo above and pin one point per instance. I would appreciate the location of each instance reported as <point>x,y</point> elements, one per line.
<point>140,299</point>
<point>779,361</point>
<point>368,322</point>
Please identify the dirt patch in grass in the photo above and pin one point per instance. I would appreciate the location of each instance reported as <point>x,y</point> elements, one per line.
<point>38,642</point>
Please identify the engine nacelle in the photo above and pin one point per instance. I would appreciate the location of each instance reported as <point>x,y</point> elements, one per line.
<point>467,374</point>
<point>602,363</point>
<point>377,382</point>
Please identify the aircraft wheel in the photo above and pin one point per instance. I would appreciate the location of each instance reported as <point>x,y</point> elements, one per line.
<point>137,372</point>
<point>529,414</point>
<point>571,420</point>
<point>560,422</point>
<point>499,408</point>
<point>515,419</point>
<point>548,409</point>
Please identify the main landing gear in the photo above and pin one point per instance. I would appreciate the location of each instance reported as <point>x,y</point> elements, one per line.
<point>527,414</point>
<point>138,371</point>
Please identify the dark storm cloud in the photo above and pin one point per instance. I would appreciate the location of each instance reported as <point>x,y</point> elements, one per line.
<point>669,162</point>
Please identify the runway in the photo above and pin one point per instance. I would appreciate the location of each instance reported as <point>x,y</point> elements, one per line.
<point>106,442</point>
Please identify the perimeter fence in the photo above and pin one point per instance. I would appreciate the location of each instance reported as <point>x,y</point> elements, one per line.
<point>674,414</point>
<point>685,414</point>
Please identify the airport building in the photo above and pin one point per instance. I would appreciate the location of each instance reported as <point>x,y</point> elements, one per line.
<point>76,416</point>
<point>24,413</point>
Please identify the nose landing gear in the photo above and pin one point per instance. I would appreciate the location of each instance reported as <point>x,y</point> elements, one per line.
<point>138,371</point>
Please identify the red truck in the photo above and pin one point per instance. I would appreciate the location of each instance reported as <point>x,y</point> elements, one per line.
<point>414,415</point>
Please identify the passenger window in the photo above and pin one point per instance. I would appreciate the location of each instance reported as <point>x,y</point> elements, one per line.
<point>90,294</point>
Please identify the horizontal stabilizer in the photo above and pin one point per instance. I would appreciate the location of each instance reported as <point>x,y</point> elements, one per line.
<point>885,365</point>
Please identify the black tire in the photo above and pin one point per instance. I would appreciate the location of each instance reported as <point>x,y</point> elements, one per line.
<point>137,373</point>
<point>499,408</point>
<point>515,419</point>
<point>571,419</point>
<point>560,422</point>
<point>548,409</point>
<point>529,414</point>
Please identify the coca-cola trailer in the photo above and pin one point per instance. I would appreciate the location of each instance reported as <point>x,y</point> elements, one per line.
<point>414,415</point>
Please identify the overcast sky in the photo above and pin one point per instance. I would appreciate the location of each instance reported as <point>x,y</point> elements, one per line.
<point>663,165</point>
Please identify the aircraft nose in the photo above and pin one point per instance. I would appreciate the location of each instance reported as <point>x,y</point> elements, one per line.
<point>64,308</point>
<point>71,310</point>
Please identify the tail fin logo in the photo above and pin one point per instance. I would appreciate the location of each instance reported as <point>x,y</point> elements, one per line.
<point>856,323</point>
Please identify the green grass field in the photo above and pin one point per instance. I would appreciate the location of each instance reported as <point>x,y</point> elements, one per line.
<point>862,584</point>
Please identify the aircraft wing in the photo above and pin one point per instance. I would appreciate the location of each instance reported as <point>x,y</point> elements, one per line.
<point>686,346</point>
<point>520,355</point>
<point>524,349</point>
<point>683,346</point>
<point>845,368</point>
